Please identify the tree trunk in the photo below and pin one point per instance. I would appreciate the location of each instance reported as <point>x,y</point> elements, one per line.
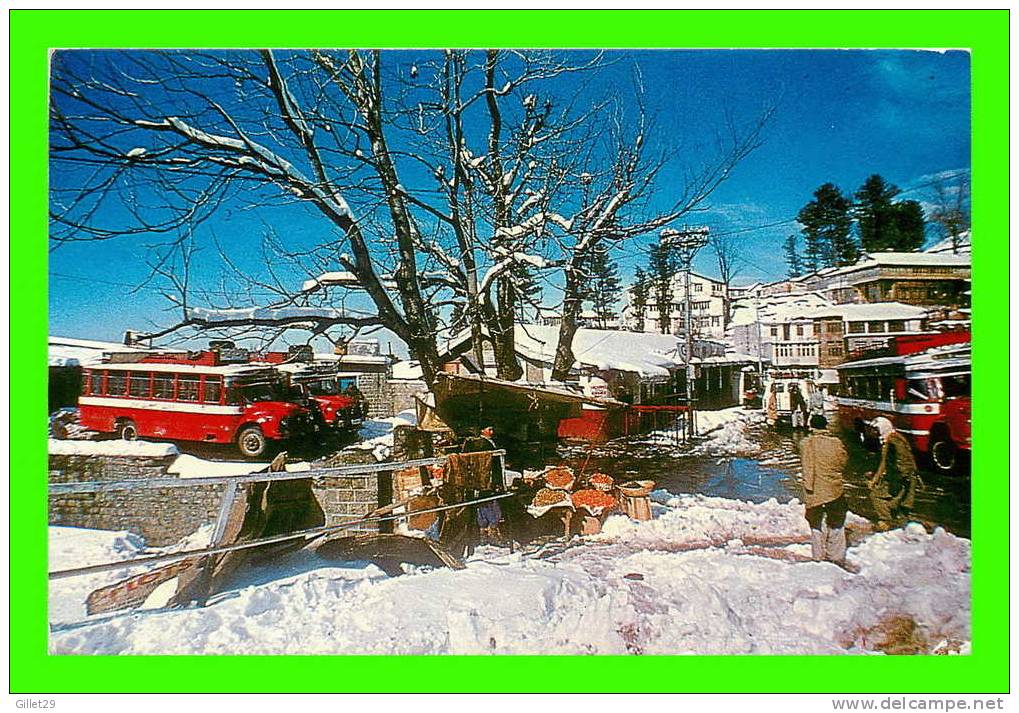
<point>503,338</point>
<point>564,357</point>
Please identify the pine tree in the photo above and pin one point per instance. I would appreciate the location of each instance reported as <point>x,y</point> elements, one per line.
<point>910,225</point>
<point>638,297</point>
<point>792,257</point>
<point>826,229</point>
<point>884,224</point>
<point>662,268</point>
<point>604,286</point>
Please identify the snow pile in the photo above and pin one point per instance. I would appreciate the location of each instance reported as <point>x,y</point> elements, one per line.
<point>727,431</point>
<point>377,434</point>
<point>189,466</point>
<point>64,425</point>
<point>71,547</point>
<point>724,432</point>
<point>142,449</point>
<point>707,576</point>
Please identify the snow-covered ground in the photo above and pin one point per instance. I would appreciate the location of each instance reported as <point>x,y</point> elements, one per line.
<point>706,576</point>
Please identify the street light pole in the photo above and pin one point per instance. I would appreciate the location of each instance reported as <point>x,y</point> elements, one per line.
<point>687,242</point>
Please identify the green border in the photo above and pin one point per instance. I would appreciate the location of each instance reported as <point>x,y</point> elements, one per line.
<point>34,32</point>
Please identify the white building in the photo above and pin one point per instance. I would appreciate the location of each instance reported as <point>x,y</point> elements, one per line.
<point>807,330</point>
<point>708,301</point>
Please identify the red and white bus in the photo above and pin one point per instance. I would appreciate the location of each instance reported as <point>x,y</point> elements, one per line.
<point>242,404</point>
<point>320,384</point>
<point>925,394</point>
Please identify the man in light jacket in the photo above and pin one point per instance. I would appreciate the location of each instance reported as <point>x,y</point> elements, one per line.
<point>824,460</point>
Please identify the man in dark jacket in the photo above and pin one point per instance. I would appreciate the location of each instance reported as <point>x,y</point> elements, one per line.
<point>893,486</point>
<point>824,460</point>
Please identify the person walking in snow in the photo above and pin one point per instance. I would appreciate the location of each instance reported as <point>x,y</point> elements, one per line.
<point>772,405</point>
<point>893,486</point>
<point>824,459</point>
<point>816,402</point>
<point>798,407</point>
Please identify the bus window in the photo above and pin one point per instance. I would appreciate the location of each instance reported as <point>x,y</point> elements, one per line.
<point>116,383</point>
<point>86,384</point>
<point>139,384</point>
<point>213,389</point>
<point>956,386</point>
<point>187,388</point>
<point>162,386</point>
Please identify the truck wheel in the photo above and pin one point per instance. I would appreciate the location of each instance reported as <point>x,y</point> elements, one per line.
<point>944,455</point>
<point>127,430</point>
<point>251,441</point>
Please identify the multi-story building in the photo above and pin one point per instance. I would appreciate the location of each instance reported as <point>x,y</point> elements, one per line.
<point>916,278</point>
<point>807,330</point>
<point>709,300</point>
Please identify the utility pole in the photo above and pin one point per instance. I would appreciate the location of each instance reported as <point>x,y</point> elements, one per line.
<point>686,242</point>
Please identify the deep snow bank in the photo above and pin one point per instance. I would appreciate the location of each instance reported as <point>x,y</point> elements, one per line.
<point>707,576</point>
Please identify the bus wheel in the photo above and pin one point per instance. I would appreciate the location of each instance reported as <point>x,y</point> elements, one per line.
<point>251,441</point>
<point>127,430</point>
<point>944,454</point>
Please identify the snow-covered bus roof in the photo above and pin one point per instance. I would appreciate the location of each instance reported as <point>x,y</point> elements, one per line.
<point>951,357</point>
<point>224,370</point>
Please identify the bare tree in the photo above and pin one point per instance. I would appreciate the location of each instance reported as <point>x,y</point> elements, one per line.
<point>728,249</point>
<point>951,211</point>
<point>441,186</point>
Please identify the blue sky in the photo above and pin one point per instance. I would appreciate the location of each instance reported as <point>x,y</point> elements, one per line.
<point>840,116</point>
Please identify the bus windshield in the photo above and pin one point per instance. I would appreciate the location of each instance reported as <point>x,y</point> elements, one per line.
<point>252,393</point>
<point>956,386</point>
<point>322,387</point>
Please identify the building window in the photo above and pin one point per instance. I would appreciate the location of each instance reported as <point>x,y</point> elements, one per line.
<point>774,331</point>
<point>716,321</point>
<point>834,327</point>
<point>856,327</point>
<point>698,287</point>
<point>799,330</point>
<point>875,327</point>
<point>835,350</point>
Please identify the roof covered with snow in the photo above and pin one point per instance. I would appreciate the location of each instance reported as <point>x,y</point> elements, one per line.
<point>407,370</point>
<point>962,246</point>
<point>66,351</point>
<point>645,353</point>
<point>874,311</point>
<point>811,305</point>
<point>909,258</point>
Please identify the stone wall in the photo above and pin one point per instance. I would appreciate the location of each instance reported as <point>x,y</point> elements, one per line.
<point>403,391</point>
<point>375,387</point>
<point>161,515</point>
<point>347,497</point>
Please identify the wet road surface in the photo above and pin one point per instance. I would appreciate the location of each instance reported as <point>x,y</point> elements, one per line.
<point>771,472</point>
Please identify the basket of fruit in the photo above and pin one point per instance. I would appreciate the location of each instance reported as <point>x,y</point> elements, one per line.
<point>594,501</point>
<point>548,499</point>
<point>637,488</point>
<point>601,481</point>
<point>561,478</point>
